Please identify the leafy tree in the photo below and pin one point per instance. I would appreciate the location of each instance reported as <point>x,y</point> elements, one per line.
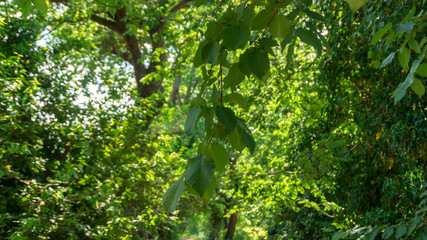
<point>317,92</point>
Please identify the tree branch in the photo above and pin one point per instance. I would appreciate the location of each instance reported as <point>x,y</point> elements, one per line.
<point>107,23</point>
<point>181,4</point>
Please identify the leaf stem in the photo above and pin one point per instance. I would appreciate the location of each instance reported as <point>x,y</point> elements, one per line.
<point>271,18</point>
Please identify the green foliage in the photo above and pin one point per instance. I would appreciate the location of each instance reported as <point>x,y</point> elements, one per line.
<point>316,91</point>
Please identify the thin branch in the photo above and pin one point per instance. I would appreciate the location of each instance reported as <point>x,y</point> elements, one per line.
<point>276,173</point>
<point>107,23</point>
<point>106,4</point>
<point>349,151</point>
<point>269,21</point>
<point>369,145</point>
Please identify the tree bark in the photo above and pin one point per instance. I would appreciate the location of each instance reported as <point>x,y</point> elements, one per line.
<point>175,90</point>
<point>231,227</point>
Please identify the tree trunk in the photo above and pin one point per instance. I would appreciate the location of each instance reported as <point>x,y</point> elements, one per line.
<point>175,90</point>
<point>231,227</point>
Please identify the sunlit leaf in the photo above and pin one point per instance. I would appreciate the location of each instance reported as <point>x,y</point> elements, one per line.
<point>418,87</point>
<point>261,19</point>
<point>422,70</point>
<point>280,26</point>
<point>41,5</point>
<point>380,33</point>
<point>404,56</point>
<point>235,139</point>
<point>235,98</point>
<point>356,4</point>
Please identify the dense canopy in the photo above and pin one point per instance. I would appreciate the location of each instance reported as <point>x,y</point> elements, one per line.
<point>213,119</point>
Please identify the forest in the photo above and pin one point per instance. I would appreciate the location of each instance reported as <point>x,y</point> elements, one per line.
<point>213,119</point>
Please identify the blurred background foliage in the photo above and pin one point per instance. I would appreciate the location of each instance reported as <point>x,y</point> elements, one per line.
<point>84,156</point>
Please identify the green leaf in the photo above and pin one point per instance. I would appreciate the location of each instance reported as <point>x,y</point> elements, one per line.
<point>200,173</point>
<point>372,235</point>
<point>172,195</point>
<point>210,52</point>
<point>235,98</point>
<point>307,2</point>
<point>220,156</point>
<point>418,87</point>
<point>404,27</point>
<point>234,77</point>
<point>192,116</point>
<point>391,37</point>
<point>199,3</point>
<point>413,44</point>
<point>226,116</point>
<point>246,136</point>
<point>245,14</point>
<point>213,31</point>
<point>208,114</point>
<point>234,36</point>
<point>388,232</point>
<point>198,56</point>
<point>388,59</point>
<point>400,231</point>
<point>258,62</point>
<point>249,141</point>
<point>404,57</point>
<point>422,70</point>
<point>244,63</point>
<point>314,15</point>
<point>409,15</point>
<point>222,58</point>
<point>356,4</point>
<point>25,6</point>
<point>267,42</point>
<point>310,38</point>
<point>261,19</point>
<point>423,41</point>
<point>280,26</point>
<point>211,190</point>
<point>288,39</point>
<point>378,35</point>
<point>235,139</point>
<point>290,53</point>
<point>41,5</point>
<point>414,224</point>
<point>401,89</point>
<point>221,131</point>
<point>324,41</point>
